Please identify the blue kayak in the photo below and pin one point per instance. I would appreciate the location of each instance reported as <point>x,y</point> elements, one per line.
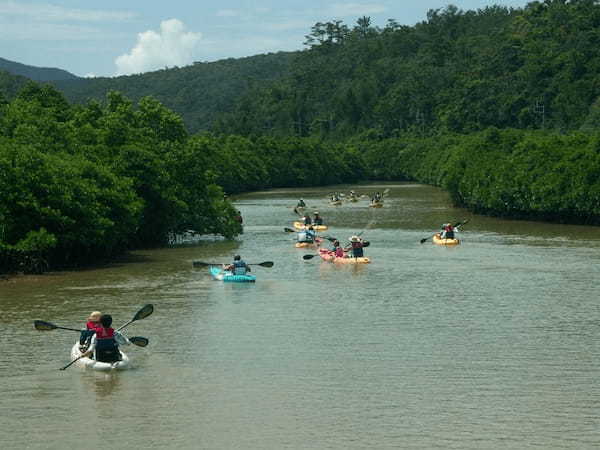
<point>221,275</point>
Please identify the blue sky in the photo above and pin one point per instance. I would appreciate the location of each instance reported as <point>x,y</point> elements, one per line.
<point>119,37</point>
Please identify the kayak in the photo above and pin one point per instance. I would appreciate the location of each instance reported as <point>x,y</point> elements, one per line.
<point>301,226</point>
<point>353,199</point>
<point>437,239</point>
<point>327,255</point>
<point>92,364</point>
<point>223,275</point>
<point>335,203</point>
<point>376,205</point>
<point>307,244</point>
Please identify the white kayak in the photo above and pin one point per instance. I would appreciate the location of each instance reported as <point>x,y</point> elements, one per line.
<point>92,364</point>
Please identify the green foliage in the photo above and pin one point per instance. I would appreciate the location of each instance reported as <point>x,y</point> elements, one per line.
<point>86,182</point>
<point>458,72</point>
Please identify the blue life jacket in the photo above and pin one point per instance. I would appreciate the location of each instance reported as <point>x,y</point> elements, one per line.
<point>305,236</point>
<point>239,267</point>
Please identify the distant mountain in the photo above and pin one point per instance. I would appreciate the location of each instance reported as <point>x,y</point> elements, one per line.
<point>198,92</point>
<point>36,73</point>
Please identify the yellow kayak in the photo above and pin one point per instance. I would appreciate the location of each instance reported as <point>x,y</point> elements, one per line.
<point>301,226</point>
<point>336,203</point>
<point>307,244</point>
<point>327,255</point>
<point>437,239</point>
<point>376,205</point>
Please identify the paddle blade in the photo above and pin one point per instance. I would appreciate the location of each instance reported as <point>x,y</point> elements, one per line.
<point>144,312</point>
<point>366,243</point>
<point>289,230</point>
<point>139,341</point>
<point>200,264</point>
<point>424,240</point>
<point>267,264</point>
<point>44,326</point>
<point>307,257</point>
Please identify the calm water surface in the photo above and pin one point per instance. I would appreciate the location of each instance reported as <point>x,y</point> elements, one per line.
<point>494,344</point>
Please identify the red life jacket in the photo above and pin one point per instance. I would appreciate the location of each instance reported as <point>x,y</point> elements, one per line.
<point>92,325</point>
<point>107,349</point>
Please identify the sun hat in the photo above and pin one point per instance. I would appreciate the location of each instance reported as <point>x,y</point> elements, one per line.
<point>354,239</point>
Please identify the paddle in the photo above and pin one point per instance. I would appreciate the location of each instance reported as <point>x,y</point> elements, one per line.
<point>289,230</point>
<point>42,325</point>
<point>141,314</point>
<point>456,225</point>
<point>205,264</point>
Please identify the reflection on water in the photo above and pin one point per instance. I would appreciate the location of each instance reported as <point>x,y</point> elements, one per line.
<point>492,344</point>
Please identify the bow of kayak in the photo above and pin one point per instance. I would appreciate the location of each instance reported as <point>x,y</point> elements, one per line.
<point>437,239</point>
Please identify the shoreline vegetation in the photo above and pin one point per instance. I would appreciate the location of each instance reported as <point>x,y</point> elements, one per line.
<point>499,106</point>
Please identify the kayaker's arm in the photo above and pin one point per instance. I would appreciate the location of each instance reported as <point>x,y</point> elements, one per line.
<point>121,340</point>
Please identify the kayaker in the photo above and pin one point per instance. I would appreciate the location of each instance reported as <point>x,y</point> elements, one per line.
<point>307,220</point>
<point>238,267</point>
<point>317,220</point>
<point>337,249</point>
<point>93,322</point>
<point>448,231</point>
<point>356,246</point>
<point>105,342</point>
<point>307,235</point>
<point>238,217</point>
<point>301,204</point>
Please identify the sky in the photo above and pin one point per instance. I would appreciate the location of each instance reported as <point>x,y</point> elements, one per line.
<point>110,37</point>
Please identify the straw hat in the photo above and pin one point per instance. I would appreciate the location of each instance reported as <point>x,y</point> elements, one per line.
<point>354,239</point>
<point>94,315</point>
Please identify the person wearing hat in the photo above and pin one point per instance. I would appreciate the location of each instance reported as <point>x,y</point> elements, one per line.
<point>317,220</point>
<point>356,246</point>
<point>307,220</point>
<point>238,267</point>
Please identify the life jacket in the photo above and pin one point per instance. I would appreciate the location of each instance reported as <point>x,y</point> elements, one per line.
<point>86,335</point>
<point>318,220</point>
<point>449,232</point>
<point>239,268</point>
<point>306,236</point>
<point>357,249</point>
<point>307,221</point>
<point>107,349</point>
<point>339,252</point>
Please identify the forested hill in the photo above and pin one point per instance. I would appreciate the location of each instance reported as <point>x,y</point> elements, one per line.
<point>36,73</point>
<point>457,71</point>
<point>198,92</point>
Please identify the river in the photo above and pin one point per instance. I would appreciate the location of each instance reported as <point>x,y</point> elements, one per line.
<point>493,344</point>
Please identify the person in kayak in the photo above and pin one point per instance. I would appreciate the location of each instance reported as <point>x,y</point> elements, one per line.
<point>301,204</point>
<point>307,235</point>
<point>448,231</point>
<point>307,220</point>
<point>238,267</point>
<point>105,342</point>
<point>317,220</point>
<point>356,246</point>
<point>337,249</point>
<point>93,322</point>
<point>238,217</point>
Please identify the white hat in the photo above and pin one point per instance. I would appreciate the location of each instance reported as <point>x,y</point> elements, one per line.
<point>354,239</point>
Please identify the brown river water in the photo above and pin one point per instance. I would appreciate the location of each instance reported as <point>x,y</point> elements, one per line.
<point>494,344</point>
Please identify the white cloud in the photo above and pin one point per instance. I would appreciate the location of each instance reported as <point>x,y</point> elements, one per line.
<point>356,9</point>
<point>171,46</point>
<point>44,12</point>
